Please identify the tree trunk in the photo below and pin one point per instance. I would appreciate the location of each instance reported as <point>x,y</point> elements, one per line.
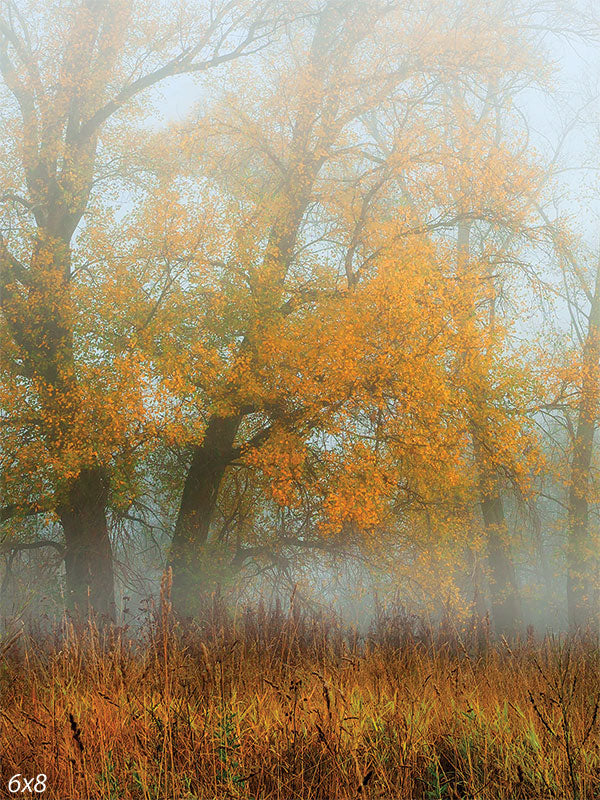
<point>196,510</point>
<point>479,612</point>
<point>88,553</point>
<point>581,558</point>
<point>504,590</point>
<point>41,328</point>
<point>582,562</point>
<point>505,597</point>
<point>82,500</point>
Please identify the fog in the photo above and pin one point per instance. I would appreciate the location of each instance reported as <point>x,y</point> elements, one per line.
<point>300,303</point>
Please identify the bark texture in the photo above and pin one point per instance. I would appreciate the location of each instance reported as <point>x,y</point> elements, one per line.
<point>88,551</point>
<point>196,509</point>
<point>504,589</point>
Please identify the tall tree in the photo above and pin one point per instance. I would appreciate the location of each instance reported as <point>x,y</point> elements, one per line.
<point>71,71</point>
<point>312,151</point>
<point>582,559</point>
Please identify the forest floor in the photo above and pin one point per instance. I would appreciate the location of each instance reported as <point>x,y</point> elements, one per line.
<point>273,705</point>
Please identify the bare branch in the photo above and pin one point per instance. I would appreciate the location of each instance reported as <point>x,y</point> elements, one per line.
<point>17,547</point>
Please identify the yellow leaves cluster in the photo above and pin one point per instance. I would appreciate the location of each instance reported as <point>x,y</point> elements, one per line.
<point>281,461</point>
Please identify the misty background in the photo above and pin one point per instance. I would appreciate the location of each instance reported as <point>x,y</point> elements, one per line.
<point>471,176</point>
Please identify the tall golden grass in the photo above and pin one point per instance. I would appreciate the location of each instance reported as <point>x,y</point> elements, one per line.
<point>272,705</point>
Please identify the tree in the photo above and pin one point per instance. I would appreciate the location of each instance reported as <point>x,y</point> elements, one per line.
<point>72,72</point>
<point>485,174</point>
<point>313,216</point>
<point>577,399</point>
<point>573,399</point>
<point>581,550</point>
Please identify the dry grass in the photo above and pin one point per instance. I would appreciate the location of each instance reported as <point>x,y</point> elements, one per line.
<point>275,706</point>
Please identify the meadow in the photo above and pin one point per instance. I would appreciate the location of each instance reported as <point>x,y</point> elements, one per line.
<point>279,705</point>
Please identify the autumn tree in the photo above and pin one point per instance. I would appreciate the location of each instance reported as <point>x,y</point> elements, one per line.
<point>581,546</point>
<point>569,404</point>
<point>74,74</point>
<point>267,330</point>
<point>573,399</point>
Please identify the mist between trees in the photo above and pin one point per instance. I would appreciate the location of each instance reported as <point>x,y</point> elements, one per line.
<point>339,323</point>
